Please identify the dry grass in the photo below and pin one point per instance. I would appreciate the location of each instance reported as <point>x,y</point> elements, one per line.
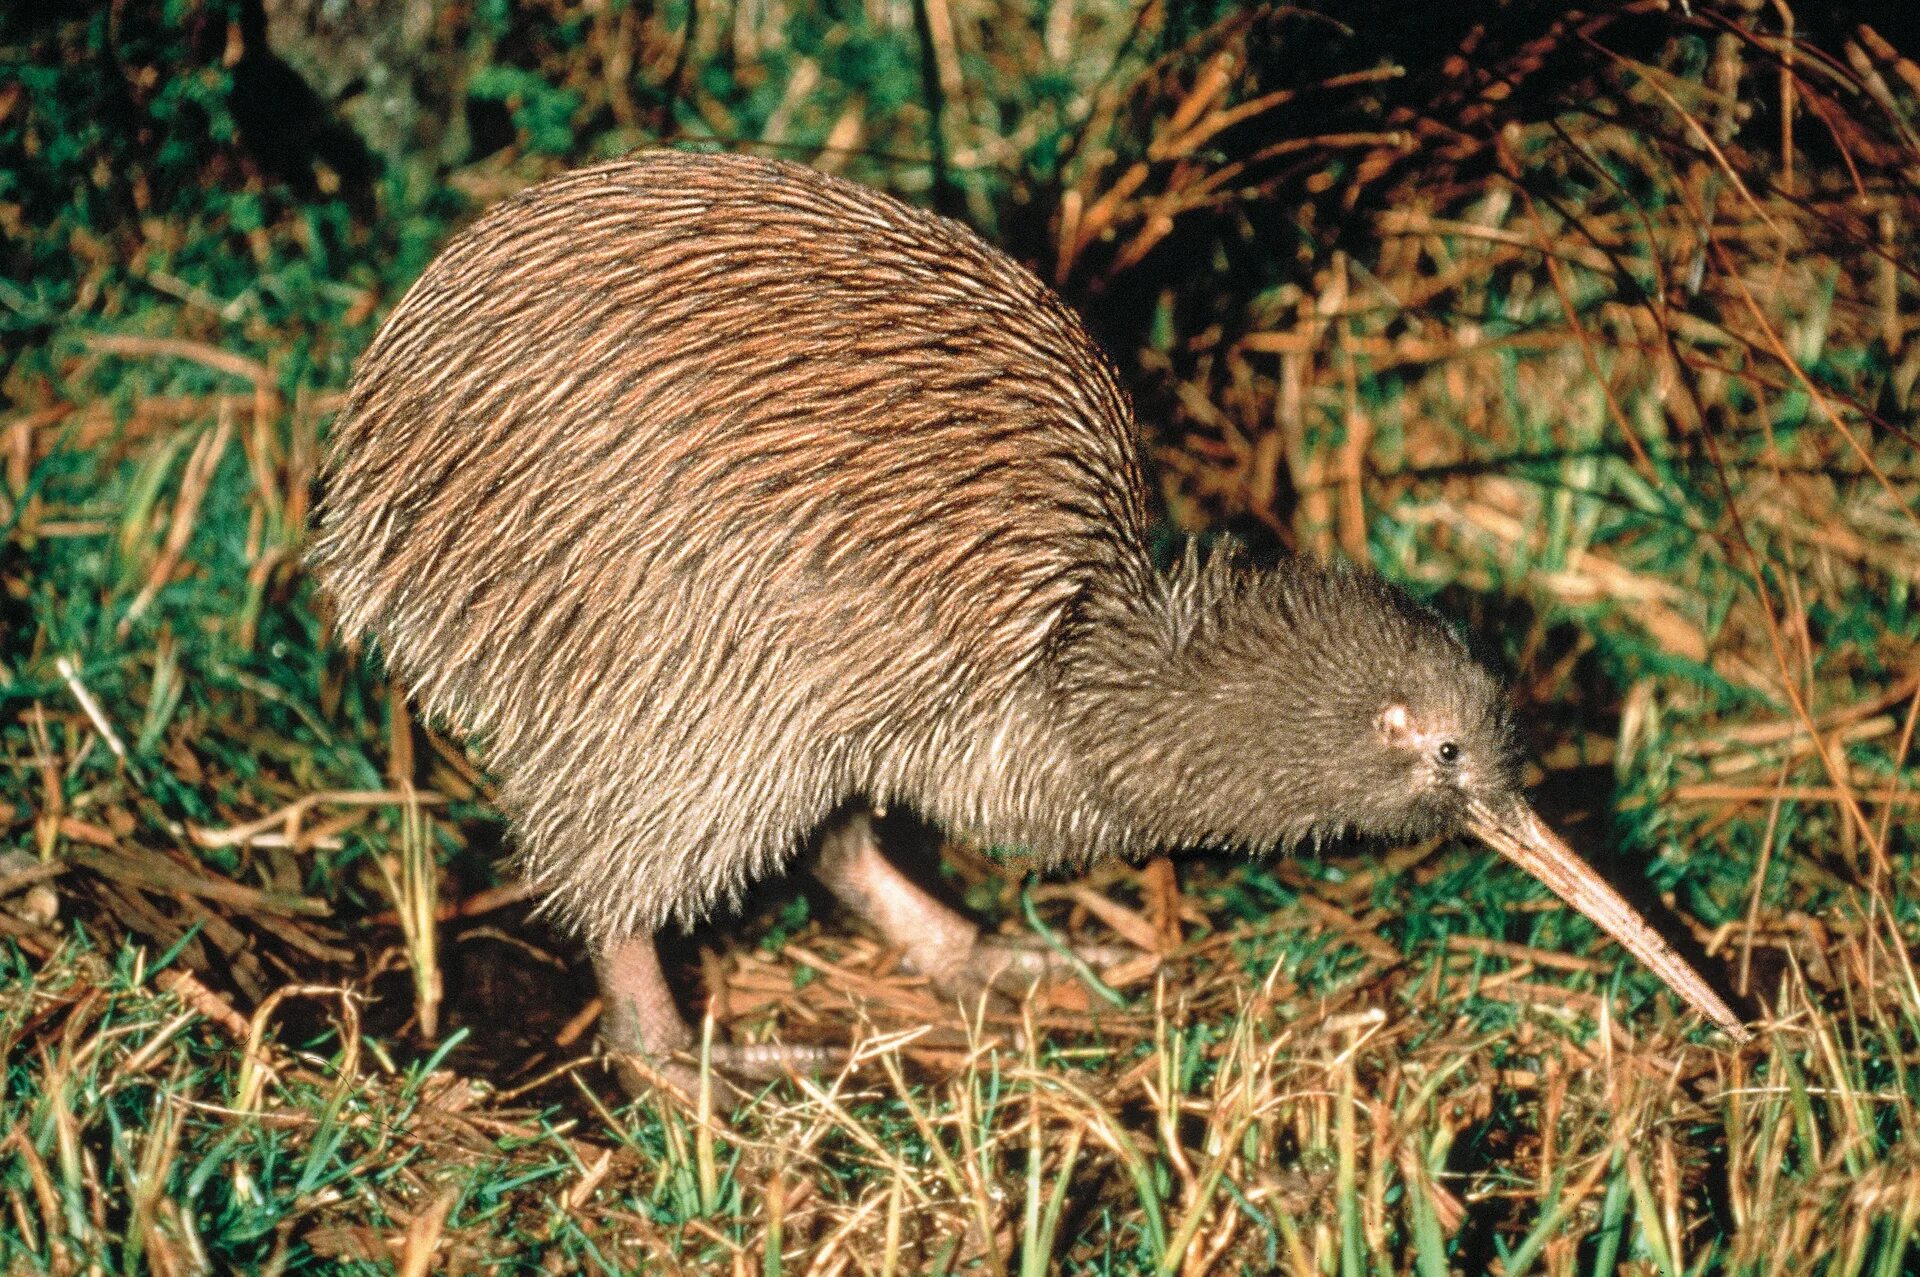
<point>1603,329</point>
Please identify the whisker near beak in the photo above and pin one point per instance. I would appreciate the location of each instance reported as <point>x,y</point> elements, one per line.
<point>1519,835</point>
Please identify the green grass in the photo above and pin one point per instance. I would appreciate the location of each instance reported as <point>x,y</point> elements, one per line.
<point>1581,356</point>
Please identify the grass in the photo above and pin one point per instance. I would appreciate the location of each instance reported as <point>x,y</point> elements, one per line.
<point>1600,330</point>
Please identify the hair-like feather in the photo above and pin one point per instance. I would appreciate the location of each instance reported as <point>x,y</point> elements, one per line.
<point>709,493</point>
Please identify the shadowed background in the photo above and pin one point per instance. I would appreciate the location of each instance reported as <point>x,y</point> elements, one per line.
<point>1598,328</point>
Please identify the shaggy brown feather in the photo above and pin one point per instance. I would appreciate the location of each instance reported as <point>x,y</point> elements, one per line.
<point>712,494</point>
<point>708,492</point>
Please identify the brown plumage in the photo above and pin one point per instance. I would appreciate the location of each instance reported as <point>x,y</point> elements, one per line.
<point>711,495</point>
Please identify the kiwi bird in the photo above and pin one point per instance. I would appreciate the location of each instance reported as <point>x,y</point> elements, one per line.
<point>721,501</point>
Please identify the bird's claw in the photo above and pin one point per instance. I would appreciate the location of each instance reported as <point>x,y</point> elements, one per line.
<point>1014,964</point>
<point>735,1068</point>
<point>1004,969</point>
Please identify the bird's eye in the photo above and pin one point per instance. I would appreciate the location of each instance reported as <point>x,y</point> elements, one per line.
<point>1449,752</point>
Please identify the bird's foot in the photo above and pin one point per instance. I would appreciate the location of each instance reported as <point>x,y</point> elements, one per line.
<point>939,943</point>
<point>648,1041</point>
<point>735,1069</point>
<point>1015,964</point>
<point>1004,969</point>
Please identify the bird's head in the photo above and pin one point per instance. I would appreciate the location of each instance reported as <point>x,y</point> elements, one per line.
<point>1414,733</point>
<point>1305,703</point>
<point>1441,756</point>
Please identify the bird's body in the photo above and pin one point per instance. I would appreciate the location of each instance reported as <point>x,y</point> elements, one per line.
<point>763,473</point>
<point>711,495</point>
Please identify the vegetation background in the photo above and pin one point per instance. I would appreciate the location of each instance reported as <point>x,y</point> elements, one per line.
<point>1601,327</point>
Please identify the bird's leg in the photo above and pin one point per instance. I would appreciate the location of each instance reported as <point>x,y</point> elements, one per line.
<point>639,1016</point>
<point>937,942</point>
<point>640,1019</point>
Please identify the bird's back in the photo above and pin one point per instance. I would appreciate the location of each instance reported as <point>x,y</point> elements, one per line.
<point>705,488</point>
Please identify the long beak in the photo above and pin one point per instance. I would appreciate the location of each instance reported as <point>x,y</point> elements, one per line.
<point>1519,835</point>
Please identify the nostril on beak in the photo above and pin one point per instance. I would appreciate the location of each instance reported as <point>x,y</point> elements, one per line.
<point>1518,834</point>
